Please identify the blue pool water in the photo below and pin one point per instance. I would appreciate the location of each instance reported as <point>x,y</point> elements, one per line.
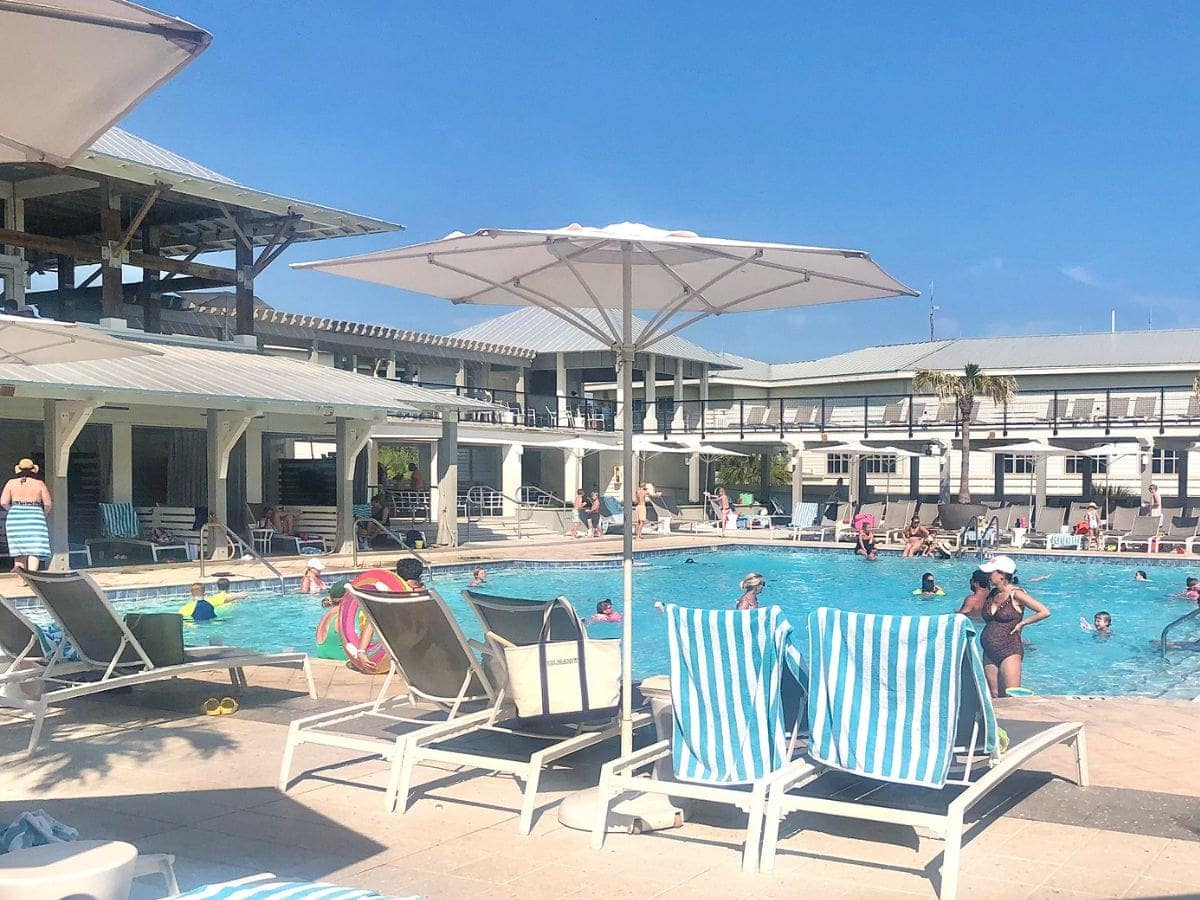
<point>1063,660</point>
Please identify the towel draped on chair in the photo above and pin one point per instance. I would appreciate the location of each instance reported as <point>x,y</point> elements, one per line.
<point>891,697</point>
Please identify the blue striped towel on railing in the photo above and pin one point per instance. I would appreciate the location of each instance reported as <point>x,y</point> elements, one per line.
<point>727,671</point>
<point>892,696</point>
<point>119,520</point>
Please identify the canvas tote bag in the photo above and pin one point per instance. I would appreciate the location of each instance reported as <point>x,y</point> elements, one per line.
<point>569,680</point>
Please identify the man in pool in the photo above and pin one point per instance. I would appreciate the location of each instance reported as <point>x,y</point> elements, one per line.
<point>980,586</point>
<point>411,569</point>
<point>198,608</point>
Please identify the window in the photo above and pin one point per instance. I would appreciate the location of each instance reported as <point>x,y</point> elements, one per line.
<point>837,464</point>
<point>1017,465</point>
<point>882,464</point>
<point>1077,465</point>
<point>1164,462</point>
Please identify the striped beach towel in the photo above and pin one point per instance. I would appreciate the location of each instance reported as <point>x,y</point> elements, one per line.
<point>119,520</point>
<point>26,531</point>
<point>727,687</point>
<point>892,696</point>
<point>269,888</point>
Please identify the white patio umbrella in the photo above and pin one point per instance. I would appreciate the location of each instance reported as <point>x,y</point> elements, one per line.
<point>71,68</point>
<point>582,274</point>
<point>1108,452</point>
<point>1032,448</point>
<point>35,342</point>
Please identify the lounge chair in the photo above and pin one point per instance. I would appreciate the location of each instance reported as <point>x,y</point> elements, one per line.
<point>1056,410</point>
<point>1144,408</point>
<point>1117,408</point>
<point>1082,409</point>
<point>1180,532</point>
<point>678,518</point>
<point>1143,534</point>
<point>494,739</point>
<point>824,528</point>
<point>113,657</point>
<point>730,741</point>
<point>940,754</point>
<point>927,512</point>
<point>946,412</point>
<point>442,678</point>
<point>896,518</point>
<point>23,647</point>
<point>803,414</point>
<point>804,515</point>
<point>1193,408</point>
<point>121,535</point>
<point>1047,520</point>
<point>893,413</point>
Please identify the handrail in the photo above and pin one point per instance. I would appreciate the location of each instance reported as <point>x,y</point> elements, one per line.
<point>475,493</point>
<point>539,494</point>
<point>239,544</point>
<point>1162,641</point>
<point>399,543</point>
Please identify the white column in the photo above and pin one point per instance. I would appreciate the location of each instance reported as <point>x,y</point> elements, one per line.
<point>650,393</point>
<point>510,476</point>
<point>352,436</point>
<point>62,421</point>
<point>572,473</point>
<point>1146,470</point>
<point>372,465</point>
<point>460,376</point>
<point>122,462</point>
<point>225,427</point>
<point>1039,478</point>
<point>944,472</point>
<point>677,391</point>
<point>797,476</point>
<point>560,388</point>
<point>254,466</point>
<point>703,381</point>
<point>445,497</point>
<point>390,367</point>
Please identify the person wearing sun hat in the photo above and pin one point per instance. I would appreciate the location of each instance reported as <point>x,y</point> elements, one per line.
<point>1089,526</point>
<point>1003,622</point>
<point>311,581</point>
<point>27,500</point>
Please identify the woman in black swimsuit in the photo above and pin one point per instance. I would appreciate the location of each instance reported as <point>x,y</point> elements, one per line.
<point>1004,619</point>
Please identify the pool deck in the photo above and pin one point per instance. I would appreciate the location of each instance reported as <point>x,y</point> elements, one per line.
<point>148,768</point>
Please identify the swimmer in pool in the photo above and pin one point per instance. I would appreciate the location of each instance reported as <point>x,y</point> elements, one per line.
<point>752,585</point>
<point>479,576</point>
<point>1101,625</point>
<point>198,608</point>
<point>1140,575</point>
<point>605,612</point>
<point>689,562</point>
<point>1191,590</point>
<point>929,586</point>
<point>337,593</point>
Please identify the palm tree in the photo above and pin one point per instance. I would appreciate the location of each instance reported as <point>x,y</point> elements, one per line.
<point>963,389</point>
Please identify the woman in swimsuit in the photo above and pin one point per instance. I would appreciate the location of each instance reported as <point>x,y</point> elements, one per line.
<point>1004,619</point>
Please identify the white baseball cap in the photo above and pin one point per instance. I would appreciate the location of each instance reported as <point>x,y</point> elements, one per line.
<point>1003,564</point>
<point>316,565</point>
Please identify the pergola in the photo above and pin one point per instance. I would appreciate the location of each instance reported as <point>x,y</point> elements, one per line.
<point>128,202</point>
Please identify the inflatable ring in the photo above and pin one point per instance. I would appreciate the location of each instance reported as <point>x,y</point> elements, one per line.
<point>372,659</point>
<point>381,580</point>
<point>1019,692</point>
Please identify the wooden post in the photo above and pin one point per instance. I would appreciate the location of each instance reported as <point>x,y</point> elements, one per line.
<point>352,436</point>
<point>244,291</point>
<point>150,290</point>
<point>62,422</point>
<point>66,289</point>
<point>225,429</point>
<point>110,237</point>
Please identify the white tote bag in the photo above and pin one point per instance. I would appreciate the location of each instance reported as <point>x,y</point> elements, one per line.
<point>571,680</point>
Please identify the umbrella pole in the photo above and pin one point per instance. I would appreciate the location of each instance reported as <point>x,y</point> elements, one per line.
<point>627,356</point>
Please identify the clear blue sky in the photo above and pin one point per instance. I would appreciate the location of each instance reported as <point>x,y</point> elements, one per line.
<point>1037,162</point>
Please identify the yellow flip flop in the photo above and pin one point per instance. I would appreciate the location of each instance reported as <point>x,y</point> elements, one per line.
<point>228,706</point>
<point>211,707</point>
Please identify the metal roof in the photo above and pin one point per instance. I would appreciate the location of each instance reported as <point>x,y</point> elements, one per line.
<point>1170,349</point>
<point>544,332</point>
<point>188,215</point>
<point>226,378</point>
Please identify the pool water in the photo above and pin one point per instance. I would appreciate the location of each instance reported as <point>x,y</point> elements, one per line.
<point>1063,659</point>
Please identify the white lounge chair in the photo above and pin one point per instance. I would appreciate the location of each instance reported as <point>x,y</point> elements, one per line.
<point>110,651</point>
<point>944,753</point>
<point>804,515</point>
<point>1143,535</point>
<point>730,742</point>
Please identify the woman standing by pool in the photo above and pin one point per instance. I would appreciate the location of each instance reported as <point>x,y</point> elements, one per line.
<point>27,500</point>
<point>1004,620</point>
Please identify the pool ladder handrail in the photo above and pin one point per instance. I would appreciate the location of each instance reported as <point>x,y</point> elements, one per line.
<point>239,544</point>
<point>400,544</point>
<point>985,538</point>
<point>1162,640</point>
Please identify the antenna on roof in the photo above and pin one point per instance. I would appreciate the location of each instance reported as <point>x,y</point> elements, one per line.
<point>932,309</point>
<point>1113,326</point>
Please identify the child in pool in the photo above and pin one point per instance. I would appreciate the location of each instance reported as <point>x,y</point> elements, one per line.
<point>479,576</point>
<point>336,592</point>
<point>605,612</point>
<point>1191,590</point>
<point>1101,624</point>
<point>311,581</point>
<point>223,594</point>
<point>929,586</point>
<point>1140,575</point>
<point>198,608</point>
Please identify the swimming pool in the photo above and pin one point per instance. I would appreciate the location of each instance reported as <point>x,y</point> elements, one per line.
<point>1063,659</point>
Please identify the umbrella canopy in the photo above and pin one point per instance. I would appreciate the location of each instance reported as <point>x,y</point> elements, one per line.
<point>680,275</point>
<point>35,342</point>
<point>71,68</point>
<point>710,450</point>
<point>1114,450</point>
<point>579,444</point>
<point>1033,448</point>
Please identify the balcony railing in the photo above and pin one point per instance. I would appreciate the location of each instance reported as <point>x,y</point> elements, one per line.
<point>533,410</point>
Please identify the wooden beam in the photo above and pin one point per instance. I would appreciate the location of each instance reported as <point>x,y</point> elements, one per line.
<point>140,217</point>
<point>51,185</point>
<point>66,289</point>
<point>90,280</point>
<point>233,223</point>
<point>150,290</point>
<point>188,259</point>
<point>269,255</point>
<point>181,267</point>
<point>111,250</point>
<point>244,288</point>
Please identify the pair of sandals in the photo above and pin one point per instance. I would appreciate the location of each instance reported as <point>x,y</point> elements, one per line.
<point>223,707</point>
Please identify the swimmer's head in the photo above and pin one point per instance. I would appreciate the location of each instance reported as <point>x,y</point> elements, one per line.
<point>1193,583</point>
<point>338,591</point>
<point>1140,575</point>
<point>604,607</point>
<point>409,568</point>
<point>222,584</point>
<point>928,582</point>
<point>689,561</point>
<point>753,582</point>
<point>480,574</point>
<point>197,590</point>
<point>980,580</point>
<point>1102,621</point>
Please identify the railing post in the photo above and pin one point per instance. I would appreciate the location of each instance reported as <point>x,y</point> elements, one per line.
<point>703,418</point>
<point>866,415</point>
<point>822,415</point>
<point>1108,411</point>
<point>1162,408</point>
<point>1054,414</point>
<point>910,417</point>
<point>781,418</point>
<point>1004,418</point>
<point>742,418</point>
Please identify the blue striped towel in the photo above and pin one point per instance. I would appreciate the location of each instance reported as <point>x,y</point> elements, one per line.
<point>119,520</point>
<point>892,696</point>
<point>268,888</point>
<point>727,670</point>
<point>804,515</point>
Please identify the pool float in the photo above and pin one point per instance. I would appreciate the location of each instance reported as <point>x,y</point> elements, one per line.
<point>372,659</point>
<point>1019,692</point>
<point>938,593</point>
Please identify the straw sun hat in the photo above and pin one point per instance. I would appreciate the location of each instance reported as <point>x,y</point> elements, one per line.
<point>26,464</point>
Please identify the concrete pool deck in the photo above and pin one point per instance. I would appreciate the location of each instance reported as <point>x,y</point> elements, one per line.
<point>147,768</point>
